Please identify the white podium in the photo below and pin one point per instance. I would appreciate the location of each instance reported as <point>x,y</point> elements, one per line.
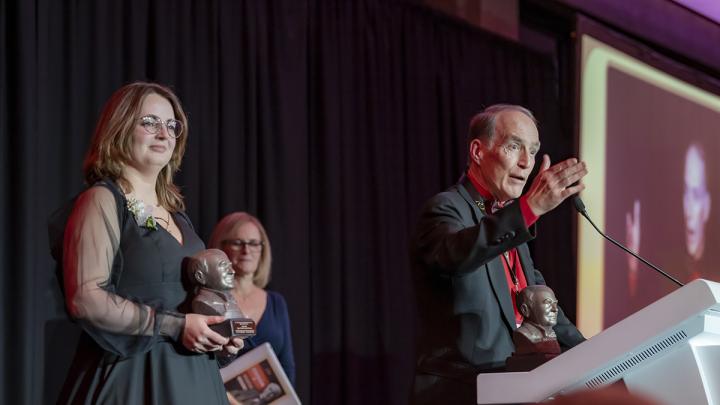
<point>669,350</point>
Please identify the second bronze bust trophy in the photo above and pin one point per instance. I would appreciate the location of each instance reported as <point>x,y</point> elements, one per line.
<point>535,340</point>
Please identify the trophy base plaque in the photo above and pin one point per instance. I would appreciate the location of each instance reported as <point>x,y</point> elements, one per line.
<point>235,327</point>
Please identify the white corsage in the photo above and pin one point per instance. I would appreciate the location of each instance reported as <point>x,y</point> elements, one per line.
<point>142,213</point>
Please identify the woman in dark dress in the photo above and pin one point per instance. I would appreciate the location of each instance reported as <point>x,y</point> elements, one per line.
<point>123,246</point>
<point>242,237</point>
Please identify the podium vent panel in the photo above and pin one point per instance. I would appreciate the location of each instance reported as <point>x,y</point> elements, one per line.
<point>611,374</point>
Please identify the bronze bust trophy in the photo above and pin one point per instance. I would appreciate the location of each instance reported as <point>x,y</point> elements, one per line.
<point>535,340</point>
<point>212,273</point>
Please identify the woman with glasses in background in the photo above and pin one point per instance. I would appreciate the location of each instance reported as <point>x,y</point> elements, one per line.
<point>242,237</point>
<point>121,255</point>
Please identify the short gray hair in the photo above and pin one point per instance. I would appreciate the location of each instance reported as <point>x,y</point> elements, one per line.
<point>482,125</point>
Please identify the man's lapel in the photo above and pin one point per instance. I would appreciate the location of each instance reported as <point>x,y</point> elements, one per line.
<point>496,271</point>
<point>473,198</point>
<point>502,291</point>
<point>527,265</point>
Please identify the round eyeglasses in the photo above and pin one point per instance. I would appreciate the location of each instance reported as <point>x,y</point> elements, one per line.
<point>153,125</point>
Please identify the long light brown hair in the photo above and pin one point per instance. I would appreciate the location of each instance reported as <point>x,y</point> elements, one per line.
<point>225,229</point>
<point>111,146</point>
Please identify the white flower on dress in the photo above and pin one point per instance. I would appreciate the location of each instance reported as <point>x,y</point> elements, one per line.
<point>142,213</point>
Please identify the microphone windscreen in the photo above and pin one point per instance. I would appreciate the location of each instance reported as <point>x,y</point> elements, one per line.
<point>579,205</point>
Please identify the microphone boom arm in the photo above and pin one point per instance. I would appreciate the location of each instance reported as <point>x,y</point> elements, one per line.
<point>580,207</point>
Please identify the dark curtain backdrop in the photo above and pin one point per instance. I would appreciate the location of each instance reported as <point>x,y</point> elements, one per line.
<point>332,121</point>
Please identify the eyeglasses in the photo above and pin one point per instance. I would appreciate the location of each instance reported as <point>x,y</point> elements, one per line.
<point>251,245</point>
<point>153,124</point>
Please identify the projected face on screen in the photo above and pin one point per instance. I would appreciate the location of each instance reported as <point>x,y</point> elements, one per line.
<point>650,138</point>
<point>696,201</point>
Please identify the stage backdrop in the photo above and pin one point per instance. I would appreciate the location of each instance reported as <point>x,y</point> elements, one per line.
<point>330,120</point>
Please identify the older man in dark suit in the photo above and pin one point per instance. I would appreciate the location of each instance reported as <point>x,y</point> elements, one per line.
<point>470,258</point>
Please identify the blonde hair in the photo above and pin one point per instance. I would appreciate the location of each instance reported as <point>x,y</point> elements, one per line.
<point>228,226</point>
<point>111,145</point>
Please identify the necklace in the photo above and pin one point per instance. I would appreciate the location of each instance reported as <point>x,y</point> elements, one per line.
<point>166,221</point>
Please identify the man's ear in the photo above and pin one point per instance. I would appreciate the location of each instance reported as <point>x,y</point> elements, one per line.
<point>200,277</point>
<point>477,149</point>
<point>524,310</point>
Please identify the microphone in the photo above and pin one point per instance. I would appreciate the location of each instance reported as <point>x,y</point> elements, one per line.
<point>580,207</point>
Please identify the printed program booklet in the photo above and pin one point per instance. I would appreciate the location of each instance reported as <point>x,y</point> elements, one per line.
<point>257,378</point>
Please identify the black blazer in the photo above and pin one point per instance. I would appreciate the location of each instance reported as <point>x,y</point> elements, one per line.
<point>465,309</point>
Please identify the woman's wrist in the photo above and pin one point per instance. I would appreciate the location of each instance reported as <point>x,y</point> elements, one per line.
<point>171,324</point>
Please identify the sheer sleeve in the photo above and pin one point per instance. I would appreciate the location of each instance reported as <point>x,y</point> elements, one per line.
<point>90,253</point>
